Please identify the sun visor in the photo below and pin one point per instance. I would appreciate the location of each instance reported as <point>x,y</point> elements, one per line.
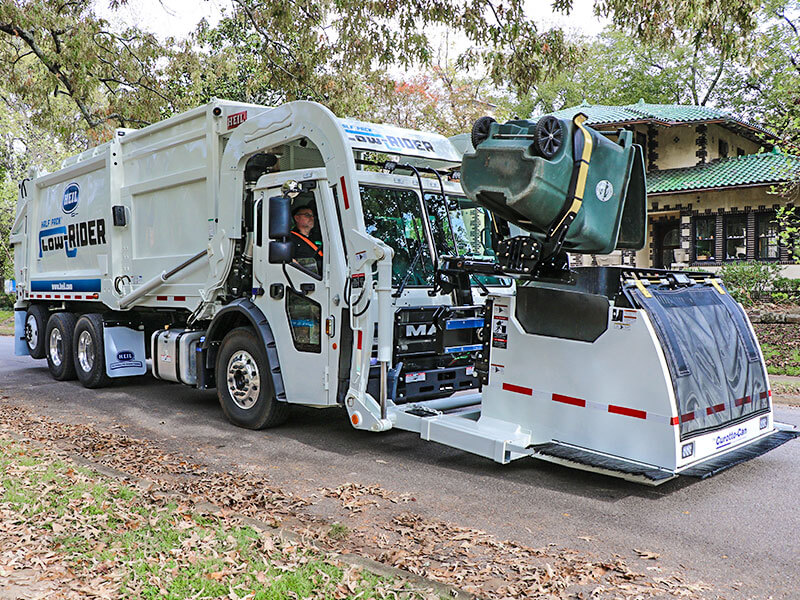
<point>397,140</point>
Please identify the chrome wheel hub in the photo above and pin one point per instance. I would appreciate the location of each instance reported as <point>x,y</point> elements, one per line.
<point>244,381</point>
<point>56,347</point>
<point>85,351</point>
<point>31,331</point>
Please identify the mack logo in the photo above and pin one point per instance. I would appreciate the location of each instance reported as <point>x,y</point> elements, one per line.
<point>420,330</point>
<point>124,355</point>
<point>729,438</point>
<point>70,200</point>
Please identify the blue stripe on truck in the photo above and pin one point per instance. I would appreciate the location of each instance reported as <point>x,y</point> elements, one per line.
<point>65,285</point>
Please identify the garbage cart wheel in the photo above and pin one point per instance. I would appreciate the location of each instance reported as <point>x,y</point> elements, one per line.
<point>58,337</point>
<point>89,352</point>
<point>480,130</point>
<point>244,383</point>
<point>549,136</point>
<point>35,325</point>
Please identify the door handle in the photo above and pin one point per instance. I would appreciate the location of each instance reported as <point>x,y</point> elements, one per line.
<point>276,291</point>
<point>307,288</point>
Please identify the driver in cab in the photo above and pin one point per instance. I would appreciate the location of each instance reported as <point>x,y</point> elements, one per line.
<point>306,252</point>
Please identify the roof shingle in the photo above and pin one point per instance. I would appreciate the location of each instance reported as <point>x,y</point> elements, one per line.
<point>659,114</point>
<point>752,169</point>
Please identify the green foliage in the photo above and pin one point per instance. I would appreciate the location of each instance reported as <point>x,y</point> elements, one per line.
<point>747,281</point>
<point>789,229</point>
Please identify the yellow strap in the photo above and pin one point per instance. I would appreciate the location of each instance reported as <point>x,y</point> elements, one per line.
<point>717,286</point>
<point>583,170</point>
<point>643,289</point>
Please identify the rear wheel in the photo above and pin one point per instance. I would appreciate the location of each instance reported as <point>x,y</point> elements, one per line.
<point>549,136</point>
<point>244,383</point>
<point>58,336</point>
<point>480,130</point>
<point>35,325</point>
<point>88,351</point>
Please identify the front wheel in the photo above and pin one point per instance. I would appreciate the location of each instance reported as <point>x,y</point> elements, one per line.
<point>244,384</point>
<point>88,351</point>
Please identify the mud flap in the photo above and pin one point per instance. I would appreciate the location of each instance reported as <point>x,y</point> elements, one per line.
<point>717,464</point>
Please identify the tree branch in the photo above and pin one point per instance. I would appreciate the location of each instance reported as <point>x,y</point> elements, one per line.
<point>714,81</point>
<point>54,68</point>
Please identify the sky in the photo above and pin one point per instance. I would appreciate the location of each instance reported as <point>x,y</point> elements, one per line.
<point>178,17</point>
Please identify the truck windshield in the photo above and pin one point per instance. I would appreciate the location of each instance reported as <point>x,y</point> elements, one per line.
<point>393,216</point>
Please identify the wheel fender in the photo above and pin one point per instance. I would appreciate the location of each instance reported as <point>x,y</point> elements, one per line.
<point>231,316</point>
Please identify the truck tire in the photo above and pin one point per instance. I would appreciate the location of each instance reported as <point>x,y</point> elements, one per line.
<point>35,325</point>
<point>244,383</point>
<point>58,337</point>
<point>89,353</point>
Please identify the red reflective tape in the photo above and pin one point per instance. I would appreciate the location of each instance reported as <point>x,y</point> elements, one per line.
<point>569,400</point>
<point>510,387</point>
<point>715,409</point>
<point>763,396</point>
<point>180,298</point>
<point>67,296</point>
<point>628,412</point>
<point>360,338</point>
<point>344,193</point>
<point>161,298</point>
<point>689,416</point>
<point>675,421</point>
<point>742,401</point>
<point>47,295</point>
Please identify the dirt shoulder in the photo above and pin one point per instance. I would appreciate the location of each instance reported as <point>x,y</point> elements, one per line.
<point>467,558</point>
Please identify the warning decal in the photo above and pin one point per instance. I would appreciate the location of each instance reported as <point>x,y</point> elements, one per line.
<point>499,331</point>
<point>622,318</point>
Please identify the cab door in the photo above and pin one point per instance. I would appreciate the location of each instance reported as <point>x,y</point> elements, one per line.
<point>295,301</point>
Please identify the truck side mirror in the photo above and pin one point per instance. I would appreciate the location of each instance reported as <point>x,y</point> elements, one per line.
<point>280,217</point>
<point>280,225</point>
<point>280,252</point>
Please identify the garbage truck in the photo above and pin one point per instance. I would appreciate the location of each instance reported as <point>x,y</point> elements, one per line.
<point>286,256</point>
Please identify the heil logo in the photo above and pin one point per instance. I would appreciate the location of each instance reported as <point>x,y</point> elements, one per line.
<point>125,355</point>
<point>70,200</point>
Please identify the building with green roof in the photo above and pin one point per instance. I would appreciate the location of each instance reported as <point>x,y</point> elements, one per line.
<point>709,177</point>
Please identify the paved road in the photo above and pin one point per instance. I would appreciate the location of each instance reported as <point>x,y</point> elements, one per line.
<point>738,530</point>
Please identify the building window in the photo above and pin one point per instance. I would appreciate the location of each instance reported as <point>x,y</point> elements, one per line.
<point>739,152</point>
<point>641,139</point>
<point>735,237</point>
<point>766,236</point>
<point>704,238</point>
<point>723,149</point>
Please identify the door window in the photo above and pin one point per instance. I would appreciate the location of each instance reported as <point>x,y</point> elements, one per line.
<point>305,319</point>
<point>306,235</point>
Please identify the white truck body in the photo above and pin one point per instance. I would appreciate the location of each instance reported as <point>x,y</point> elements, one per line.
<point>160,238</point>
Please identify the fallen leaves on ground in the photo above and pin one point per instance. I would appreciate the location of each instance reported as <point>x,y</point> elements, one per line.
<point>70,533</point>
<point>467,558</point>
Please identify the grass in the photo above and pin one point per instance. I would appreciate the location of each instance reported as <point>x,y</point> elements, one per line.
<point>338,531</point>
<point>780,364</point>
<point>6,322</point>
<point>141,546</point>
